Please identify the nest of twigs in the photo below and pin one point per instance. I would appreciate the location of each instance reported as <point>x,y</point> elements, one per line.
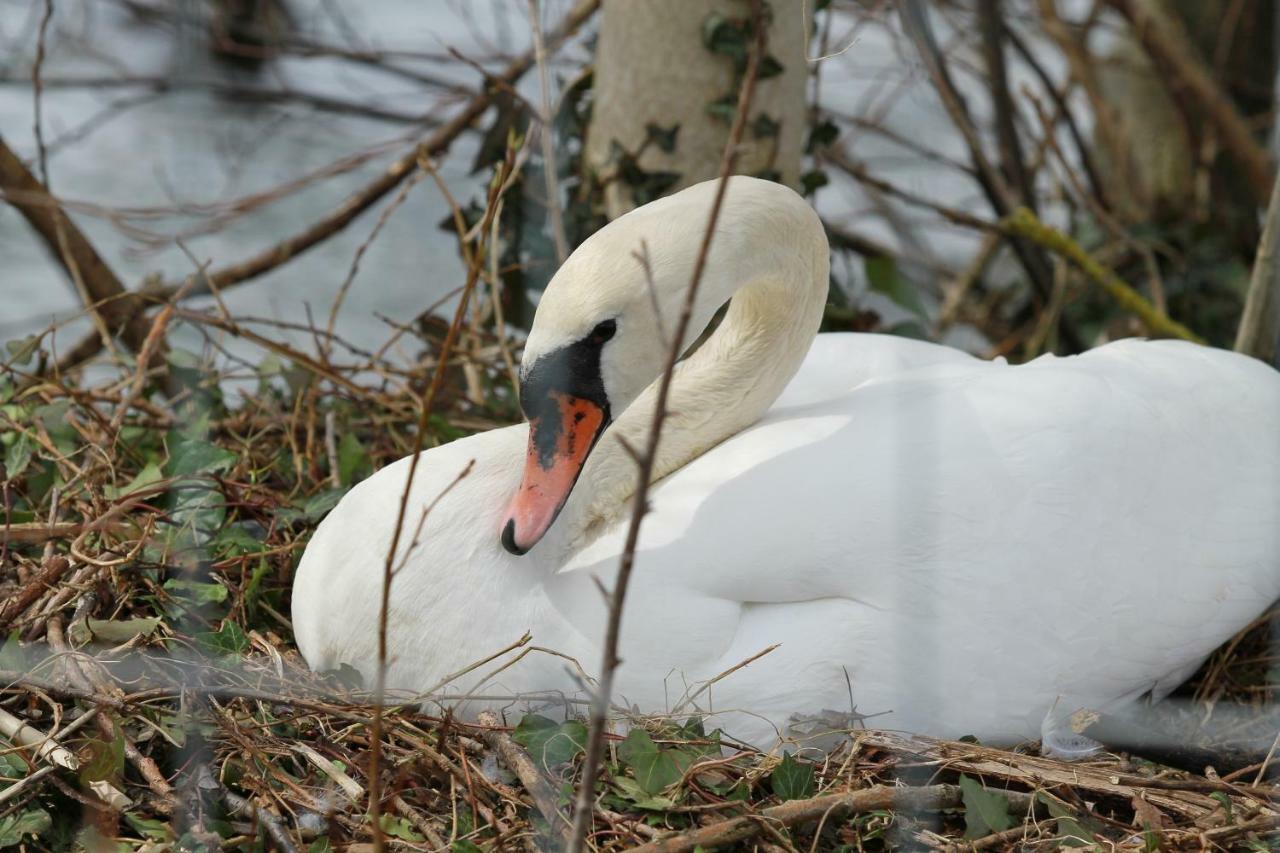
<point>152,696</point>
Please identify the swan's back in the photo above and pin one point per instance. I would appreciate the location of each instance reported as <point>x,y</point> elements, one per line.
<point>896,528</point>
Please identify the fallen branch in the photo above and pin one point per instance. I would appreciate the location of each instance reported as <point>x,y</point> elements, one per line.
<point>275,829</point>
<point>54,569</point>
<point>830,806</point>
<point>519,762</point>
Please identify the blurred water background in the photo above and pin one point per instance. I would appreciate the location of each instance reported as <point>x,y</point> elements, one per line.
<point>151,137</point>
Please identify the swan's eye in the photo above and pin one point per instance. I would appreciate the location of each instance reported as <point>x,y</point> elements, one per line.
<point>604,331</point>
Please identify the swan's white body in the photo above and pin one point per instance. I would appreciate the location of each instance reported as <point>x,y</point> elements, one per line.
<point>969,542</point>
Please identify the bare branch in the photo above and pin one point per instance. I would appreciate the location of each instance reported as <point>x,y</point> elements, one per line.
<point>600,706</point>
<point>1259,332</point>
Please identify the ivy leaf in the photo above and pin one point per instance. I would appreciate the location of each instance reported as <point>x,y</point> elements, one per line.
<point>792,780</point>
<point>984,812</point>
<point>155,830</point>
<point>1074,831</point>
<point>655,769</point>
<point>811,180</point>
<point>121,631</point>
<point>105,759</point>
<point>398,827</point>
<point>151,473</point>
<point>22,349</point>
<point>724,36</point>
<point>764,126</point>
<point>549,742</point>
<point>353,459</point>
<point>724,107</point>
<point>769,67</point>
<point>319,504</point>
<point>196,591</point>
<point>883,276</point>
<point>823,134</point>
<point>663,137</point>
<point>15,827</point>
<point>193,456</point>
<point>230,639</point>
<point>17,456</point>
<point>640,798</point>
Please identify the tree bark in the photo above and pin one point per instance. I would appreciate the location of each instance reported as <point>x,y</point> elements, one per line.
<point>654,68</point>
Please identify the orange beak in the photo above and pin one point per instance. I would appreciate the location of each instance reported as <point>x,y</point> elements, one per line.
<point>560,439</point>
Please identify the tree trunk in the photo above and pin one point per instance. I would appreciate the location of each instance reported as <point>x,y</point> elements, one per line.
<point>676,63</point>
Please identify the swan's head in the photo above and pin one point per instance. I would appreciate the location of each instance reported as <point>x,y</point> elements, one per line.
<point>602,330</point>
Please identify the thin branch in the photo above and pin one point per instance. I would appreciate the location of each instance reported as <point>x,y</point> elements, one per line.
<point>38,90</point>
<point>110,301</point>
<point>419,439</point>
<point>600,706</point>
<point>1260,324</point>
<point>545,133</point>
<point>829,806</point>
<point>1169,46</point>
<point>1023,223</point>
<point>358,202</point>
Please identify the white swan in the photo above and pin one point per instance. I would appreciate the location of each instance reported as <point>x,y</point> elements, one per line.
<point>968,542</point>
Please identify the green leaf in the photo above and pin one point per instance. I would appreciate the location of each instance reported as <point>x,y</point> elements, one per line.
<point>196,591</point>
<point>154,830</point>
<point>1074,831</point>
<point>15,827</point>
<point>105,759</point>
<point>12,656</point>
<point>22,349</point>
<point>725,36</point>
<point>663,137</point>
<point>723,108</point>
<point>655,768</point>
<point>353,459</point>
<point>823,134</point>
<point>792,780</point>
<point>193,456</point>
<point>812,180</point>
<point>398,827</point>
<point>984,812</point>
<point>230,639</point>
<point>631,791</point>
<point>764,126</point>
<point>319,504</point>
<point>548,742</point>
<point>883,276</point>
<point>17,456</point>
<point>151,473</point>
<point>121,631</point>
<point>769,67</point>
<point>12,767</point>
<point>235,541</point>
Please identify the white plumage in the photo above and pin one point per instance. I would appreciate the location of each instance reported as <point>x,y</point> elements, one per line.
<point>968,541</point>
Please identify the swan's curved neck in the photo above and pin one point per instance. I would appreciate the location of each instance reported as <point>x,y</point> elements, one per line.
<point>719,390</point>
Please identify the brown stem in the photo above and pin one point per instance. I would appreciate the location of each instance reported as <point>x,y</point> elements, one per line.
<point>1259,331</point>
